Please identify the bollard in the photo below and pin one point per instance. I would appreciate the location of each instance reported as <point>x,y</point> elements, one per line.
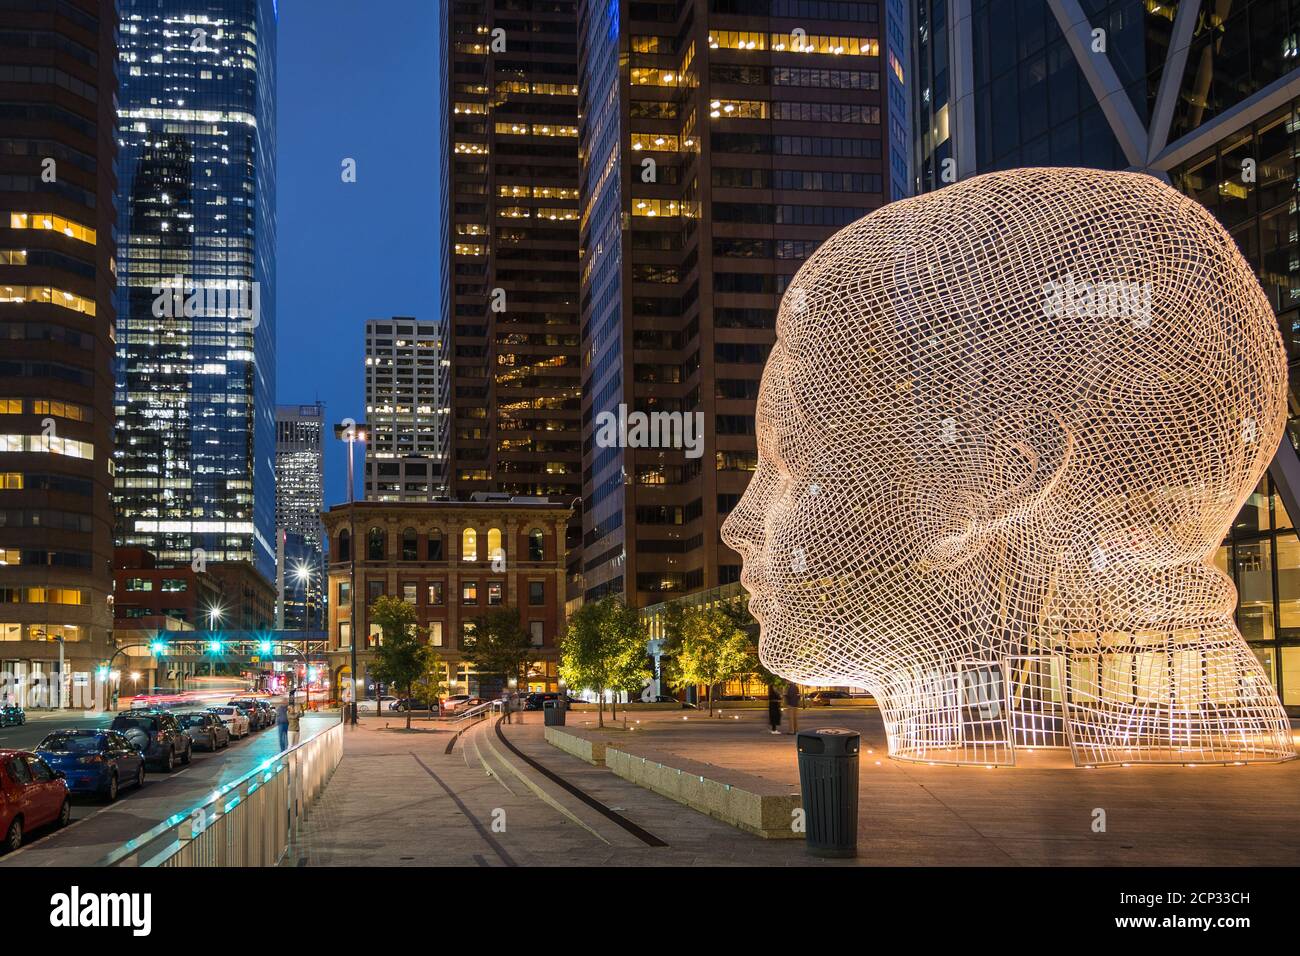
<point>828,782</point>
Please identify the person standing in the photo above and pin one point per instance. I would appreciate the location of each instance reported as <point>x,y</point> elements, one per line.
<point>774,710</point>
<point>295,717</point>
<point>282,725</point>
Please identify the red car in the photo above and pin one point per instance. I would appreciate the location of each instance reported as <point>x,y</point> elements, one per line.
<point>31,795</point>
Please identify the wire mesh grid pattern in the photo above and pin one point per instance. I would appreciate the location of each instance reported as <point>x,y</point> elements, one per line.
<point>1002,431</point>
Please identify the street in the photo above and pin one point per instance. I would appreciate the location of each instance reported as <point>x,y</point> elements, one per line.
<point>98,827</point>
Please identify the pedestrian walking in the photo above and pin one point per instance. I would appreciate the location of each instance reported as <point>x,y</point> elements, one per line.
<point>774,710</point>
<point>295,716</point>
<point>282,725</point>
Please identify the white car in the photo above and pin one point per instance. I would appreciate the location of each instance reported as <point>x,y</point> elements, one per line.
<point>367,704</point>
<point>233,718</point>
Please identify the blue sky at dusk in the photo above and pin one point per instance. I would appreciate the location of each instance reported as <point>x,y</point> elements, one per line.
<point>355,80</point>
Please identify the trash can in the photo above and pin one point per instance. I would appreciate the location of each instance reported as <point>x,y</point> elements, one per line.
<point>553,713</point>
<point>828,783</point>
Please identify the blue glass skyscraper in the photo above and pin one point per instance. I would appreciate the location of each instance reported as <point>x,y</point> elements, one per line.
<point>195,369</point>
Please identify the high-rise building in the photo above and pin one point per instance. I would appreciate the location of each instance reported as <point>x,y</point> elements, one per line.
<point>405,424</point>
<point>57,185</point>
<point>510,230</point>
<point>195,402</point>
<point>1199,93</point>
<point>721,143</point>
<point>299,501</point>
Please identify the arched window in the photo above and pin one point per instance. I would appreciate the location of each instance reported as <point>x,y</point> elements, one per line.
<point>495,551</point>
<point>375,545</point>
<point>435,546</point>
<point>410,545</point>
<point>536,545</point>
<point>345,545</point>
<point>469,545</point>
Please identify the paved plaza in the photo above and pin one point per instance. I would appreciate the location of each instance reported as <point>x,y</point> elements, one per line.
<point>401,798</point>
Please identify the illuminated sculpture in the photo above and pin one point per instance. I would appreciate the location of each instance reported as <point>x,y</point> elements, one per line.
<point>1002,432</point>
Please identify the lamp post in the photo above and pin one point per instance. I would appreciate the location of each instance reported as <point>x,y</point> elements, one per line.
<point>302,575</point>
<point>351,434</point>
<point>215,614</point>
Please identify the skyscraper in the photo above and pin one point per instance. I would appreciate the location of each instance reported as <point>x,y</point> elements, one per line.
<point>1201,94</point>
<point>721,143</point>
<point>404,422</point>
<point>299,501</point>
<point>196,280</point>
<point>56,342</point>
<point>510,229</point>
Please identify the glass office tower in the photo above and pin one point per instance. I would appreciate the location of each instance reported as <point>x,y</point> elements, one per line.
<point>721,142</point>
<point>195,366</point>
<point>1201,93</point>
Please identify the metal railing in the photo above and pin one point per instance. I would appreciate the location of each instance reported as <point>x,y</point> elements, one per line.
<point>248,822</point>
<point>479,710</point>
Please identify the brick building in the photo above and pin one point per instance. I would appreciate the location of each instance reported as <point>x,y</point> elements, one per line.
<point>452,561</point>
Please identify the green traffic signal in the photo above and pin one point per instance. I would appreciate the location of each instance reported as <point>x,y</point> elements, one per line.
<point>157,648</point>
<point>265,647</point>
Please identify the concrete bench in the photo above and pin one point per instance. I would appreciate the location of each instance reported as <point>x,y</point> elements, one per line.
<point>753,804</point>
<point>578,743</point>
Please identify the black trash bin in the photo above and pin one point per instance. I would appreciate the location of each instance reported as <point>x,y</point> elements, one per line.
<point>828,783</point>
<point>553,713</point>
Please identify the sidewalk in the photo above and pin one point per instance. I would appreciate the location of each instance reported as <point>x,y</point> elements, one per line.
<point>399,799</point>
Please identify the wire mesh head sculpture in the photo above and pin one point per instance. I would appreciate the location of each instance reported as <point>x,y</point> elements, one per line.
<point>1002,432</point>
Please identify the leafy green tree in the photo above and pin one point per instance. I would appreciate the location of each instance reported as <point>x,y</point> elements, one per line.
<point>500,647</point>
<point>674,622</point>
<point>604,648</point>
<point>715,648</point>
<point>401,657</point>
<point>430,685</point>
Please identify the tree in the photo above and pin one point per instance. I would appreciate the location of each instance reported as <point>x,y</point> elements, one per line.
<point>400,658</point>
<point>604,648</point>
<point>429,686</point>
<point>715,648</point>
<point>674,621</point>
<point>500,647</point>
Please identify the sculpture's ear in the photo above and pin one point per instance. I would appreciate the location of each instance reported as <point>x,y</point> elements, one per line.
<point>1031,449</point>
<point>1008,474</point>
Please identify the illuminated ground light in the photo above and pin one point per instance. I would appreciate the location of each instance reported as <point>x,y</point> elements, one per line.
<point>965,456</point>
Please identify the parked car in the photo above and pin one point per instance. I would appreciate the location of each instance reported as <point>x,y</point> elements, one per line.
<point>267,711</point>
<point>534,701</point>
<point>32,794</point>
<point>11,715</point>
<point>234,718</point>
<point>367,705</point>
<point>93,761</point>
<point>410,703</point>
<point>721,698</point>
<point>823,698</point>
<point>157,735</point>
<point>206,730</point>
<point>260,713</point>
<point>459,703</point>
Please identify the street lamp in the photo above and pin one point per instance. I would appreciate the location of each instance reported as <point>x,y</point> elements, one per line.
<point>302,573</point>
<point>351,434</point>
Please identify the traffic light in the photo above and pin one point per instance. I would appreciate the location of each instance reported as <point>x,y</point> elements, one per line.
<point>157,648</point>
<point>265,647</point>
<point>214,647</point>
<point>101,672</point>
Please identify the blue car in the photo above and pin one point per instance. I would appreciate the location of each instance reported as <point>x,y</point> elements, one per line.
<point>93,761</point>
